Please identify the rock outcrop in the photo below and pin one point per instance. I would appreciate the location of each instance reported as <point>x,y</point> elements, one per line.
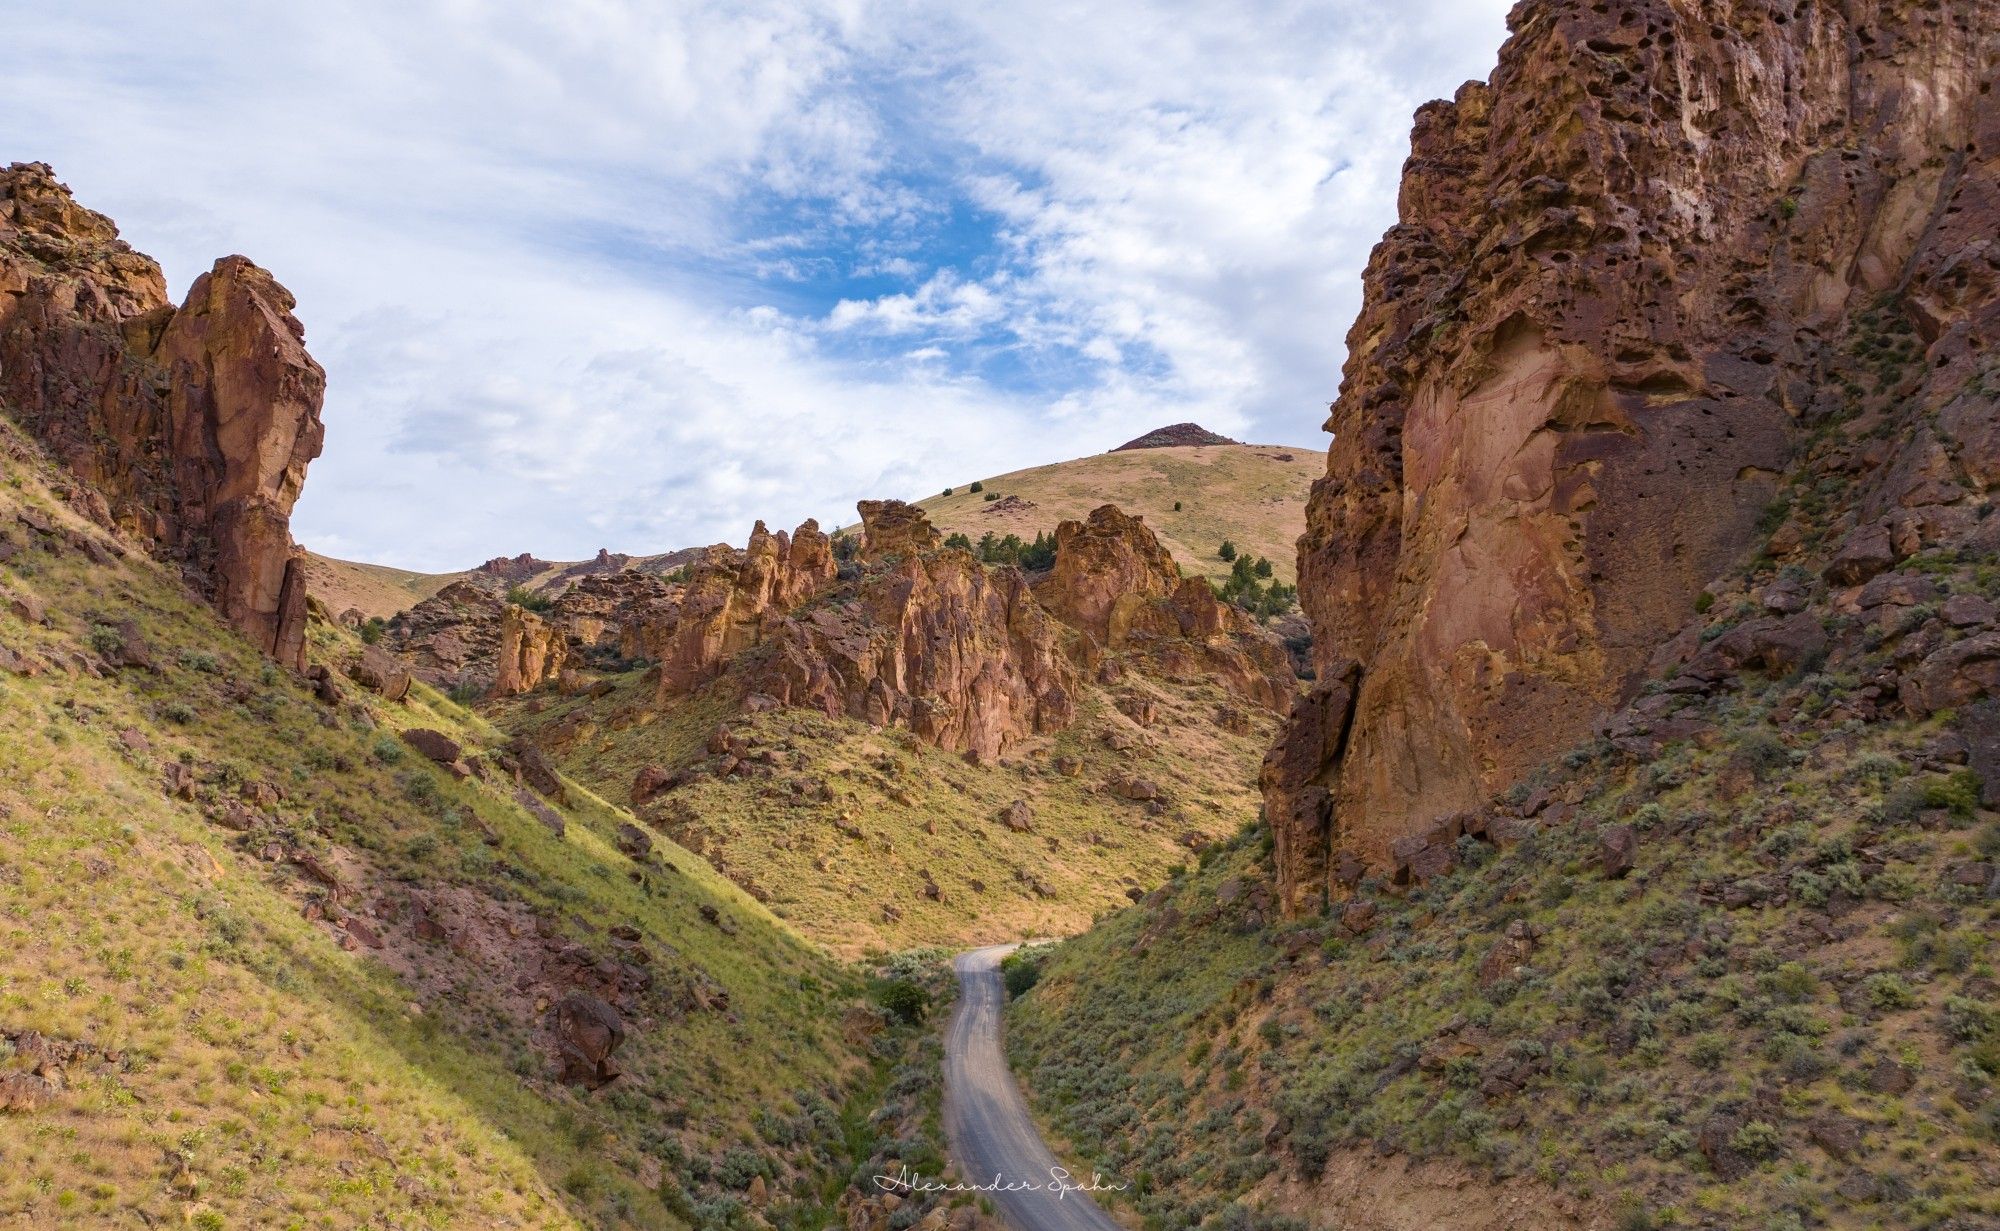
<point>728,602</point>
<point>961,654</point>
<point>1113,581</point>
<point>451,639</point>
<point>1175,436</point>
<point>533,651</point>
<point>195,425</point>
<point>893,528</point>
<point>1632,272</point>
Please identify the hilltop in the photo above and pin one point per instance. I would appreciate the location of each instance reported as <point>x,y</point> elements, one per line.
<point>1253,496</point>
<point>1194,497</point>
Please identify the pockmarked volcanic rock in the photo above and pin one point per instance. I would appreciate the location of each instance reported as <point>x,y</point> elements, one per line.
<point>728,602</point>
<point>891,527</point>
<point>532,652</point>
<point>1633,272</point>
<point>938,643</point>
<point>1113,581</point>
<point>193,425</point>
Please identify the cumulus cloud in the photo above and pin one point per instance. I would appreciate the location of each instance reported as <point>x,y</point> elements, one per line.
<point>605,273</point>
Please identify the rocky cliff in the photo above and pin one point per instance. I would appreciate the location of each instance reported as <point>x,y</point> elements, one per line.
<point>1634,272</point>
<point>191,427</point>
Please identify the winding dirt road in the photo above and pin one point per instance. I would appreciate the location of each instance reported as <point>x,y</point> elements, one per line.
<point>987,1122</point>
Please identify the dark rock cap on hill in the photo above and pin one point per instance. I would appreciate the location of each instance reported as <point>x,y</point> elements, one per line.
<point>1176,435</point>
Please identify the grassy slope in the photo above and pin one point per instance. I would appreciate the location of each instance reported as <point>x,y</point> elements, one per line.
<point>264,1075</point>
<point>790,845</point>
<point>375,589</point>
<point>1246,493</point>
<point>1647,1010</point>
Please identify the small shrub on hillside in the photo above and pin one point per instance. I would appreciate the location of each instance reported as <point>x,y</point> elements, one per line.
<point>1967,1020</point>
<point>1021,970</point>
<point>1227,551</point>
<point>1756,1139</point>
<point>371,632</point>
<point>199,660</point>
<point>388,749</point>
<point>977,487</point>
<point>178,712</point>
<point>1888,992</point>
<point>1957,794</point>
<point>105,639</point>
<point>904,1000</point>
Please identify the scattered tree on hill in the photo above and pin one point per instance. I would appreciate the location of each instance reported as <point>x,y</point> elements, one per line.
<point>992,495</point>
<point>977,486</point>
<point>1013,549</point>
<point>947,491</point>
<point>1177,506</point>
<point>959,540</point>
<point>528,600</point>
<point>1256,597</point>
<point>1263,568</point>
<point>1227,551</point>
<point>372,631</point>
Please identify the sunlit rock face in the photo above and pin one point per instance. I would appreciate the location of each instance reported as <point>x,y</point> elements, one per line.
<point>191,427</point>
<point>1617,299</point>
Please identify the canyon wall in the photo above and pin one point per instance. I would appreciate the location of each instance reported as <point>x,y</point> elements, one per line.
<point>191,427</point>
<point>1626,282</point>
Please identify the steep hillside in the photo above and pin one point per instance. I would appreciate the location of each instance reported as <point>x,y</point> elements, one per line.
<point>293,940</point>
<point>1250,495</point>
<point>334,982</point>
<point>1635,859</point>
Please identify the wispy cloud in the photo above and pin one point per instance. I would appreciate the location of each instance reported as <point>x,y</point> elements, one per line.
<point>601,272</point>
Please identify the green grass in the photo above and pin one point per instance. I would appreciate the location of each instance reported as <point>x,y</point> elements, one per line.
<point>264,1075</point>
<point>789,835</point>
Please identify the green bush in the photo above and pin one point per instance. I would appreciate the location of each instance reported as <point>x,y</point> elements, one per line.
<point>1756,1139</point>
<point>904,1000</point>
<point>1227,551</point>
<point>529,600</point>
<point>976,487</point>
<point>1888,992</point>
<point>1958,793</point>
<point>1021,970</point>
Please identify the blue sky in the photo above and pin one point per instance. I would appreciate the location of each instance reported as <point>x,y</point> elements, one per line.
<point>612,273</point>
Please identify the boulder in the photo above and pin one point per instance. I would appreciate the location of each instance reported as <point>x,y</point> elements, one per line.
<point>634,842</point>
<point>588,1034</point>
<point>379,672</point>
<point>1866,552</point>
<point>435,745</point>
<point>1018,817</point>
<point>1617,850</point>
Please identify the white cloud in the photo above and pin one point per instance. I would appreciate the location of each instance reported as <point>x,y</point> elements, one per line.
<point>544,250</point>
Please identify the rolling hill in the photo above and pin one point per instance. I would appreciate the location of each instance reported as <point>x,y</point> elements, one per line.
<point>1193,496</point>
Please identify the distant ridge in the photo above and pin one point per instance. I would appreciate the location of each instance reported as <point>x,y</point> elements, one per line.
<point>1176,435</point>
